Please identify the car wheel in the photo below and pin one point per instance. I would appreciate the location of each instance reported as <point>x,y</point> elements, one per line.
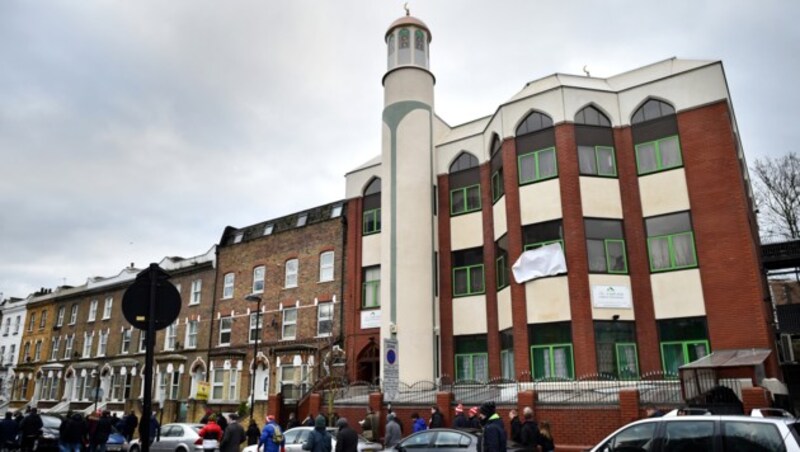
<point>181,449</point>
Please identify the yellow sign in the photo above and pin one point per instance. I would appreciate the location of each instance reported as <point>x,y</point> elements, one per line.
<point>203,388</point>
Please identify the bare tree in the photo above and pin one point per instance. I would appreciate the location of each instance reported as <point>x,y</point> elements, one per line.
<point>777,192</point>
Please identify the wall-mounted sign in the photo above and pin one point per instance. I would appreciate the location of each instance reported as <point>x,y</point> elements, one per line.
<point>371,319</point>
<point>391,368</point>
<point>203,389</point>
<point>615,297</point>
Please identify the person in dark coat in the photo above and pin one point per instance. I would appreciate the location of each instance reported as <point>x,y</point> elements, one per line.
<point>292,422</point>
<point>546,438</point>
<point>233,435</point>
<point>222,421</point>
<point>393,432</point>
<point>346,438</point>
<point>319,440</point>
<point>30,429</point>
<point>494,434</point>
<point>474,419</point>
<point>152,427</point>
<point>516,426</point>
<point>460,421</point>
<point>437,420</point>
<point>529,433</point>
<point>252,433</point>
<point>130,422</point>
<point>9,429</point>
<point>71,433</point>
<point>101,433</point>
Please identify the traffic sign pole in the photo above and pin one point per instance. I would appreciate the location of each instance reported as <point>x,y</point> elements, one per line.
<point>148,360</point>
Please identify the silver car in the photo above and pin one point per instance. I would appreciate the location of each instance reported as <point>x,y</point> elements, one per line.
<point>294,439</point>
<point>174,438</point>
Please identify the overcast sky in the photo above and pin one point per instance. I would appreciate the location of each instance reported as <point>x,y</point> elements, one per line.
<point>134,130</point>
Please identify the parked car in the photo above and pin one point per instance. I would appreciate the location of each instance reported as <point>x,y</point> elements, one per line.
<point>295,437</point>
<point>712,433</point>
<point>51,424</point>
<point>177,437</point>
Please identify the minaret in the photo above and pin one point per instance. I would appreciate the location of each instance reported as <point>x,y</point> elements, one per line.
<point>407,238</point>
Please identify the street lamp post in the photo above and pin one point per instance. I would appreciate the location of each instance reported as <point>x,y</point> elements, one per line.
<point>257,299</point>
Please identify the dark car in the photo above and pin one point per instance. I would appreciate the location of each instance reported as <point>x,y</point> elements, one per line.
<point>446,439</point>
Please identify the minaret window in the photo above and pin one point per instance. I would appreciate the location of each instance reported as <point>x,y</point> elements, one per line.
<point>419,49</point>
<point>390,43</point>
<point>404,53</point>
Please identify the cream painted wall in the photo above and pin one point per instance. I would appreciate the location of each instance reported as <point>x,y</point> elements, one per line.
<point>408,84</point>
<point>505,318</point>
<point>600,197</point>
<point>576,98</point>
<point>683,91</point>
<point>446,154</point>
<point>499,217</point>
<point>664,192</point>
<point>549,102</point>
<point>547,300</point>
<point>357,181</point>
<point>371,250</point>
<point>677,294</point>
<point>540,201</point>
<point>466,231</point>
<point>469,315</point>
<point>611,280</point>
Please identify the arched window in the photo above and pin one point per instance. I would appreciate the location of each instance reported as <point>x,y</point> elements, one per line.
<point>591,116</point>
<point>404,45</point>
<point>465,184</point>
<point>595,144</point>
<point>372,208</point>
<point>534,122</point>
<point>655,136</point>
<point>652,109</point>
<point>497,168</point>
<point>536,152</point>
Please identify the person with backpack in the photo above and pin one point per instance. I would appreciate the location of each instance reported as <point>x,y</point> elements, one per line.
<point>271,436</point>
<point>211,434</point>
<point>319,440</point>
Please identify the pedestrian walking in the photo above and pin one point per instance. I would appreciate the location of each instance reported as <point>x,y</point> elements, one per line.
<point>474,419</point>
<point>460,421</point>
<point>393,432</point>
<point>9,430</point>
<point>494,434</point>
<point>346,437</point>
<point>253,432</point>
<point>319,440</point>
<point>271,436</point>
<point>417,423</point>
<point>71,433</point>
<point>516,426</point>
<point>546,441</point>
<point>30,430</point>
<point>529,433</point>
<point>233,435</point>
<point>437,420</point>
<point>369,426</point>
<point>211,434</point>
<point>101,432</point>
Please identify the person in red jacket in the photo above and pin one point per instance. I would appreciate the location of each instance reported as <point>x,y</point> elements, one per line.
<point>211,435</point>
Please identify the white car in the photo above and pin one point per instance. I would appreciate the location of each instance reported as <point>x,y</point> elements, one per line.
<point>294,439</point>
<point>707,433</point>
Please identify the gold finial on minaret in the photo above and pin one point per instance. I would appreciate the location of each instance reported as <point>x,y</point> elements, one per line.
<point>408,11</point>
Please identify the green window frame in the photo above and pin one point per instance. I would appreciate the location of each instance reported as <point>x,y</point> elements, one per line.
<point>663,158</point>
<point>473,274</point>
<point>497,185</point>
<point>609,267</point>
<point>547,369</point>
<point>501,270</point>
<point>372,221</point>
<point>599,169</point>
<point>627,360</point>
<point>373,288</point>
<point>674,262</point>
<point>532,246</point>
<point>687,354</point>
<point>460,199</point>
<point>507,363</point>
<point>533,160</point>
<point>471,359</point>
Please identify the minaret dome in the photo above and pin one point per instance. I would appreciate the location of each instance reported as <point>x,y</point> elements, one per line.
<point>407,43</point>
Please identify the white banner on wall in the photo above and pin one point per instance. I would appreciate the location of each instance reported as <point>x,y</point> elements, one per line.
<point>371,319</point>
<point>611,297</point>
